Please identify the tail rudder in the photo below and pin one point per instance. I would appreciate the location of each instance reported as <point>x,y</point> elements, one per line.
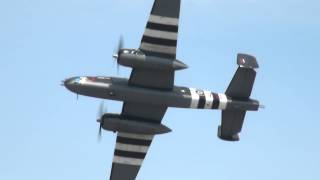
<point>242,82</point>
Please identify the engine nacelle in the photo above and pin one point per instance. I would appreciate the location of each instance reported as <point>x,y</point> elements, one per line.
<point>115,122</point>
<point>137,59</point>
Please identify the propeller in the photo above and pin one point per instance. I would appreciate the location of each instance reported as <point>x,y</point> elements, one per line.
<point>101,112</point>
<point>116,53</point>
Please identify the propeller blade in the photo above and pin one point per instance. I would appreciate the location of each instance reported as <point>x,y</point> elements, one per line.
<point>100,132</point>
<point>120,44</point>
<point>116,53</point>
<point>119,47</point>
<point>101,111</point>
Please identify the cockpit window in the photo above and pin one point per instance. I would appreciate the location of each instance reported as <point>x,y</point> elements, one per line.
<point>103,79</point>
<point>76,80</point>
<point>139,53</point>
<point>133,51</point>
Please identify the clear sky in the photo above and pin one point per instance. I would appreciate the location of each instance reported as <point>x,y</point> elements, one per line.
<point>46,134</point>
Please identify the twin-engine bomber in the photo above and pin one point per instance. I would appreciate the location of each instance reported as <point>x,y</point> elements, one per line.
<point>150,90</point>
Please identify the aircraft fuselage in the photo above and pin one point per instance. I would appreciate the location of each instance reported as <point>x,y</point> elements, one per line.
<point>118,89</point>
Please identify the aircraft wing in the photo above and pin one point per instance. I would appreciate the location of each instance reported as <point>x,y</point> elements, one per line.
<point>159,40</point>
<point>131,149</point>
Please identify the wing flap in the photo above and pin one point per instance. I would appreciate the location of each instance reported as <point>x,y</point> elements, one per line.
<point>159,79</point>
<point>147,112</point>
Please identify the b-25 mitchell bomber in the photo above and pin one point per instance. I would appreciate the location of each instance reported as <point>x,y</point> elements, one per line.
<point>150,90</point>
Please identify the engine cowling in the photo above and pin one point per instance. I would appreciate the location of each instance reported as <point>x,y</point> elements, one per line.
<point>116,122</point>
<point>137,59</point>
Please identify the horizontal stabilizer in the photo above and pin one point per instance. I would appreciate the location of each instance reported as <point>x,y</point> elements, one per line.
<point>231,124</point>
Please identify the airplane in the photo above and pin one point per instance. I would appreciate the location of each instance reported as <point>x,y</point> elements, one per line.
<point>150,91</point>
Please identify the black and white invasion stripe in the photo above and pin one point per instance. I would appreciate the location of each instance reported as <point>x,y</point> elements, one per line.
<point>201,99</point>
<point>131,149</point>
<point>160,36</point>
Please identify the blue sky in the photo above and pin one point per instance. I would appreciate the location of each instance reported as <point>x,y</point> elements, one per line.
<point>45,133</point>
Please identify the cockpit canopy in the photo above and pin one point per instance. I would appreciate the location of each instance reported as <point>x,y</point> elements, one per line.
<point>80,80</point>
<point>131,51</point>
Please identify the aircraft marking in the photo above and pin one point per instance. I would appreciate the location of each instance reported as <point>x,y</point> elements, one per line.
<point>223,101</point>
<point>163,20</point>
<point>194,98</point>
<point>161,34</point>
<point>202,99</point>
<point>135,136</point>
<point>209,100</point>
<point>158,48</point>
<point>131,148</point>
<point>128,161</point>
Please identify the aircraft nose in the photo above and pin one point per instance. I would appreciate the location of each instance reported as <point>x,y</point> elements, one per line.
<point>69,83</point>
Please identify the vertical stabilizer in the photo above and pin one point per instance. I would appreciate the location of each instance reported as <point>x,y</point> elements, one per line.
<point>243,80</point>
